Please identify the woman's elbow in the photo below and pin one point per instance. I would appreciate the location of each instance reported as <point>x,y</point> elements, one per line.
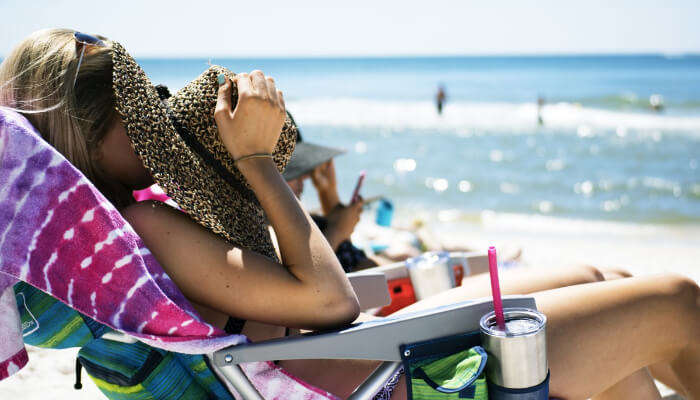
<point>340,312</point>
<point>350,310</point>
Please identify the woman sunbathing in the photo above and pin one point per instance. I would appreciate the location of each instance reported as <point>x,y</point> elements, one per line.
<point>88,99</point>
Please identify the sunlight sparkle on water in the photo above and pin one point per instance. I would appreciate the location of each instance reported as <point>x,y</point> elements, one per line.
<point>585,188</point>
<point>611,205</point>
<point>404,165</point>
<point>556,164</point>
<point>496,156</point>
<point>545,206</point>
<point>440,184</point>
<point>465,186</point>
<point>621,131</point>
<point>584,131</point>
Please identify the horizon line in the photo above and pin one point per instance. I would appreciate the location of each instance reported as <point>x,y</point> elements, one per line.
<point>690,54</point>
<point>695,53</point>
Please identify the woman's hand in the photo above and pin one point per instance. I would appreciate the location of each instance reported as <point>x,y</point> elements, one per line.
<point>255,124</point>
<point>341,223</point>
<point>323,178</point>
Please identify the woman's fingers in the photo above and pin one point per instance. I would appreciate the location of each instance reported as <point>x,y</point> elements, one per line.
<point>357,206</point>
<point>244,85</point>
<point>223,101</point>
<point>328,166</point>
<point>259,84</point>
<point>271,90</point>
<point>317,173</point>
<point>360,205</point>
<point>264,87</point>
<point>256,123</point>
<point>280,99</point>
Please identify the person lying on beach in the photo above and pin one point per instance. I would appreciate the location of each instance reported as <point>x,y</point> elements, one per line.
<point>315,162</point>
<point>601,335</point>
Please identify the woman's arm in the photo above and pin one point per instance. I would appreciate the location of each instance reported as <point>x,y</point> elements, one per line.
<point>309,289</point>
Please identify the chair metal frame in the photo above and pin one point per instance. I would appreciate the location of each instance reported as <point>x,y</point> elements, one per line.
<point>374,340</point>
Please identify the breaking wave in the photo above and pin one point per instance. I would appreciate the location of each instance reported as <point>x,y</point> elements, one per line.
<point>484,116</point>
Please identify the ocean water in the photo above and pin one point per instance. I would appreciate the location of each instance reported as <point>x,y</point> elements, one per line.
<point>602,153</point>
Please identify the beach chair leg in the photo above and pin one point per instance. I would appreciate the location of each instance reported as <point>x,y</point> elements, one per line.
<point>233,377</point>
<point>375,381</point>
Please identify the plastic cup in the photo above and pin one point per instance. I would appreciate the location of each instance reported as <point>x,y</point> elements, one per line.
<point>430,274</point>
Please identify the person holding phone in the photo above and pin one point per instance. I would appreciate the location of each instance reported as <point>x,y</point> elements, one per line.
<point>315,162</point>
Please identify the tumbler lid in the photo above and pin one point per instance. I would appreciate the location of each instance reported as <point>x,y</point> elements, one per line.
<point>519,322</point>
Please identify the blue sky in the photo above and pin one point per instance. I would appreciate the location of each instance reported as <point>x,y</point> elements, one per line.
<point>281,28</point>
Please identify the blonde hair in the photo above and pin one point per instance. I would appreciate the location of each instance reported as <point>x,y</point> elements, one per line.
<point>73,113</point>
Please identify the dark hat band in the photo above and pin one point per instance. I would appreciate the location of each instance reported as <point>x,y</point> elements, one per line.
<point>192,142</point>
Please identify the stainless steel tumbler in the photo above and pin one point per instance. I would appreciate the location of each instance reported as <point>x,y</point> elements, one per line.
<point>517,357</point>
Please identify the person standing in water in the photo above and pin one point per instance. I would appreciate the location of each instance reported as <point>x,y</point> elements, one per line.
<point>540,104</point>
<point>440,98</point>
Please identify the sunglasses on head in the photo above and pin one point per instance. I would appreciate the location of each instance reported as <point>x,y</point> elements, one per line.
<point>84,40</point>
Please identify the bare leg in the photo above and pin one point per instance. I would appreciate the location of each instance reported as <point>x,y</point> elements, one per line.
<point>638,386</point>
<point>530,280</point>
<point>614,273</point>
<point>598,334</point>
<point>660,371</point>
<point>686,367</point>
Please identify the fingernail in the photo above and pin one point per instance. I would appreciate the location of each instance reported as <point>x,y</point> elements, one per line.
<point>221,78</point>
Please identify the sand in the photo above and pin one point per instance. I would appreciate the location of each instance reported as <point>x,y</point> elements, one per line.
<point>553,242</point>
<point>49,375</point>
<point>546,242</point>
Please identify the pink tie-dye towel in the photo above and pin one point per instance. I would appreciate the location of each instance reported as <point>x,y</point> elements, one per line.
<point>59,234</point>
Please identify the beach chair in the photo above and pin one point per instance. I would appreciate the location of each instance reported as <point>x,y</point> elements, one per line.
<point>80,274</point>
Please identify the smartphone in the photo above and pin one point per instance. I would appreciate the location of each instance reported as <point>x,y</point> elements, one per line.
<point>358,186</point>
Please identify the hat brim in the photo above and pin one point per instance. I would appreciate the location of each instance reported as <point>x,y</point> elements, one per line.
<point>306,157</point>
<point>193,167</point>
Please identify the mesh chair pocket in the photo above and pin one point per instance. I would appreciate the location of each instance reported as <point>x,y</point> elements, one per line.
<point>446,368</point>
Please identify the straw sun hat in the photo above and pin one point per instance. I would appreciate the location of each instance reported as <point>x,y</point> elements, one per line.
<point>178,142</point>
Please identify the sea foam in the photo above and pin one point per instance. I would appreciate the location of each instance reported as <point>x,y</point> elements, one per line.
<point>504,117</point>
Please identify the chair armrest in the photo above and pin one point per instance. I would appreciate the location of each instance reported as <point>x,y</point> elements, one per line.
<point>474,262</point>
<point>375,340</point>
<point>371,289</point>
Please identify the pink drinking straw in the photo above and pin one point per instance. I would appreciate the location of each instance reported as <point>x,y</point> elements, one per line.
<point>496,289</point>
